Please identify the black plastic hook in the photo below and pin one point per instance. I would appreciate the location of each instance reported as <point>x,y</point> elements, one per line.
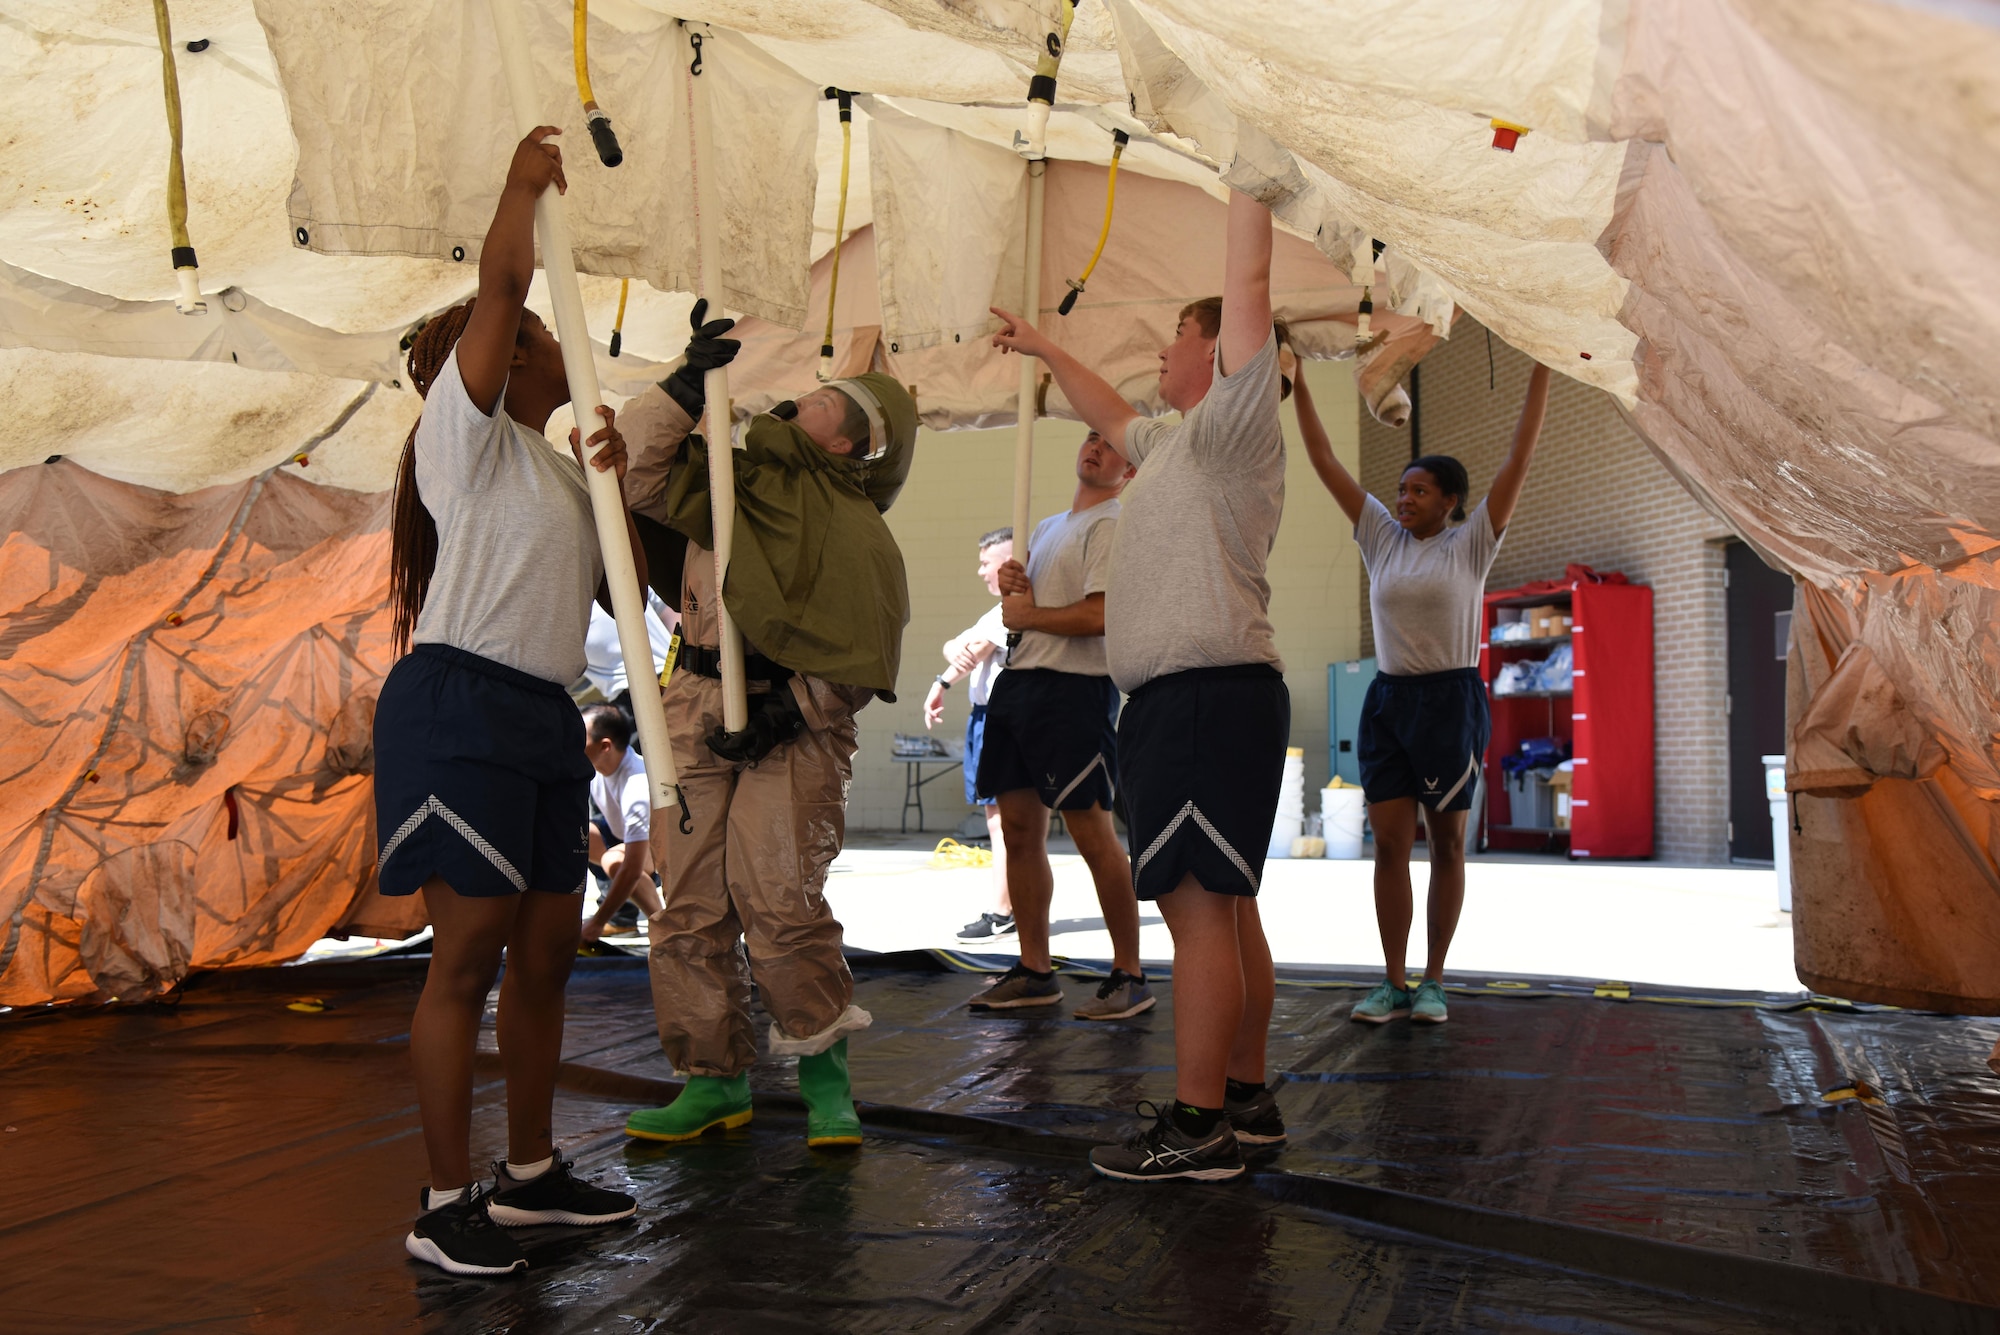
<point>695,68</point>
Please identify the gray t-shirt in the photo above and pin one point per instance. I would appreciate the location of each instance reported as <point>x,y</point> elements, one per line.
<point>1425,595</point>
<point>517,561</point>
<point>1188,588</point>
<point>1069,558</point>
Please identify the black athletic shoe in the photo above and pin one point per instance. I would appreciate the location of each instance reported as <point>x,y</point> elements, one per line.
<point>1161,1152</point>
<point>462,1239</point>
<point>558,1196</point>
<point>1256,1119</point>
<point>990,927</point>
<point>626,916</point>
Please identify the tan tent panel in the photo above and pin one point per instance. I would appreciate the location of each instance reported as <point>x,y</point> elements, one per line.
<point>1771,231</point>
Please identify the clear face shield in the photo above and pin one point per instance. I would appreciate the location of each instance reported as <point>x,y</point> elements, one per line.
<point>878,435</point>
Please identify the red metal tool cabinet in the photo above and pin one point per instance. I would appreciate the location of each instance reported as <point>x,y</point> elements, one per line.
<point>1607,715</point>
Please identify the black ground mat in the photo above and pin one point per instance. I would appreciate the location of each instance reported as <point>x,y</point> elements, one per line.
<point>248,1158</point>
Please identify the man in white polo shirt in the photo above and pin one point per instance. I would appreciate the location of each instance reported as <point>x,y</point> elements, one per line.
<point>977,656</point>
<point>619,791</point>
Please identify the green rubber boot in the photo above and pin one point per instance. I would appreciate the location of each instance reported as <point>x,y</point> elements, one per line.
<point>830,1115</point>
<point>705,1102</point>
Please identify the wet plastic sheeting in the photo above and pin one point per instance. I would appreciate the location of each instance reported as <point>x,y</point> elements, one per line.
<point>231,1165</point>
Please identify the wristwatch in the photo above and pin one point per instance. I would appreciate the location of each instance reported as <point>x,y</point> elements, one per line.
<point>942,683</point>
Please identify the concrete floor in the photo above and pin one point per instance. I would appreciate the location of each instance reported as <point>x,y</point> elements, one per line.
<point>1636,922</point>
<point>1684,926</point>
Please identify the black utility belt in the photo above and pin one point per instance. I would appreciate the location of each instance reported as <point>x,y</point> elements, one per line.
<point>706,662</point>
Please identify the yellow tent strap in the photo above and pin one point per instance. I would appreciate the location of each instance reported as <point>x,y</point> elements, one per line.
<point>1104,233</point>
<point>593,115</point>
<point>846,101</point>
<point>618,324</point>
<point>187,271</point>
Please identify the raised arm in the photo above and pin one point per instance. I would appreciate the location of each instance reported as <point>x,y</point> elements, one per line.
<point>1089,393</point>
<point>506,267</point>
<point>1513,474</point>
<point>1347,493</point>
<point>1246,284</point>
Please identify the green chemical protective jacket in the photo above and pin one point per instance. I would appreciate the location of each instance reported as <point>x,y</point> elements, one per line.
<point>816,581</point>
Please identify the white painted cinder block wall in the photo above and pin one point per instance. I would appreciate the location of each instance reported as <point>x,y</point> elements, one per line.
<point>962,486</point>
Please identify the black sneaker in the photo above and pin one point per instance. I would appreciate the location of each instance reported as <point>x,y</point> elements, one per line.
<point>626,916</point>
<point>558,1196</point>
<point>1256,1119</point>
<point>1161,1152</point>
<point>462,1239</point>
<point>990,927</point>
<point>1019,986</point>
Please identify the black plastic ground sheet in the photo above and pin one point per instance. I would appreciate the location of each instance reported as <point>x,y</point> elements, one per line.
<point>1555,1164</point>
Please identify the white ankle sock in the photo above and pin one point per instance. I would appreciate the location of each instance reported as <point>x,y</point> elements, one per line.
<point>435,1199</point>
<point>528,1172</point>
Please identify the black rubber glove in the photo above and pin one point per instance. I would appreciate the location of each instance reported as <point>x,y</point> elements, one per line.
<point>706,350</point>
<point>774,720</point>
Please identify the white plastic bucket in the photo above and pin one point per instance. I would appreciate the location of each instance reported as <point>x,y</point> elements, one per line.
<point>1283,835</point>
<point>1291,821</point>
<point>1341,813</point>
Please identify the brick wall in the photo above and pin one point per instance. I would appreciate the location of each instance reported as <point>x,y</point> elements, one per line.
<point>1595,495</point>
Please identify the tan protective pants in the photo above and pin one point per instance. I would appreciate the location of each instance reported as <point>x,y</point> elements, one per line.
<point>752,872</point>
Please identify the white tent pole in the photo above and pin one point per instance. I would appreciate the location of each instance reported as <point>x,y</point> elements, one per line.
<point>721,472</point>
<point>606,501</point>
<point>1031,310</point>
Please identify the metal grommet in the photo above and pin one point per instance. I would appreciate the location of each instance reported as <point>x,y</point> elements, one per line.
<point>954,338</point>
<point>458,252</point>
<point>234,299</point>
<point>895,347</point>
<point>302,236</point>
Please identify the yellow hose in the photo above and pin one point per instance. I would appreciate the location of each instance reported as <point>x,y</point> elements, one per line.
<point>846,101</point>
<point>1104,233</point>
<point>187,269</point>
<point>618,324</point>
<point>952,854</point>
<point>580,44</point>
<point>594,116</point>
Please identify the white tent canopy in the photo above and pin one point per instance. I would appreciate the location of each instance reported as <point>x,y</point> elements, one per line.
<point>1771,231</point>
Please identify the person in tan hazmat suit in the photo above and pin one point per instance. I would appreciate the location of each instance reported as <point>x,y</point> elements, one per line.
<point>817,587</point>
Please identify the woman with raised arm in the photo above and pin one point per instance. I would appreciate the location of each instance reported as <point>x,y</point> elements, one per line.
<point>1424,723</point>
<point>481,782</point>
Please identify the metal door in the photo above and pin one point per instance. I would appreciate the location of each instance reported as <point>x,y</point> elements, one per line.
<point>1760,616</point>
<point>1346,684</point>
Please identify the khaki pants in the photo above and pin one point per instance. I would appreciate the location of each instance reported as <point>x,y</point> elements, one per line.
<point>752,872</point>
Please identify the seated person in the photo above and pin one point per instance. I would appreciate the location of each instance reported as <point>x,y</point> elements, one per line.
<point>817,588</point>
<point>625,808</point>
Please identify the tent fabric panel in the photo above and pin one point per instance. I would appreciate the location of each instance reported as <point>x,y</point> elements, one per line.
<point>237,669</point>
<point>1895,888</point>
<point>381,172</point>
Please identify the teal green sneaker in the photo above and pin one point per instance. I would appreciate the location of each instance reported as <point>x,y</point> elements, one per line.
<point>1427,1006</point>
<point>705,1102</point>
<point>1382,1005</point>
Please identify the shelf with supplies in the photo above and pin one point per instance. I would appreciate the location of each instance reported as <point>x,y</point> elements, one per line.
<point>1584,774</point>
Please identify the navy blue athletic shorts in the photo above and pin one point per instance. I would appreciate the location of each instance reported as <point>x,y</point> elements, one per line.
<point>1422,737</point>
<point>1204,758</point>
<point>975,746</point>
<point>1054,732</point>
<point>480,778</point>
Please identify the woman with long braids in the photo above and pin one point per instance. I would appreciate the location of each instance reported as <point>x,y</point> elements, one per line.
<point>481,783</point>
<point>1424,722</point>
